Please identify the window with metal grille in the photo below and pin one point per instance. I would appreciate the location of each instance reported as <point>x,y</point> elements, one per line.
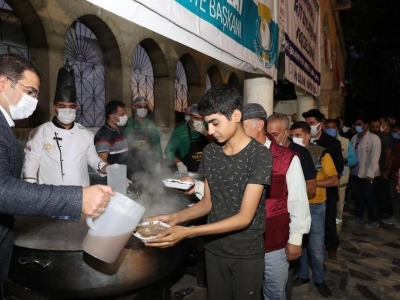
<point>83,53</point>
<point>181,88</point>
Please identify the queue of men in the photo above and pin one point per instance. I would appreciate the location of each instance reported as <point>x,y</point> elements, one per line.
<point>273,192</point>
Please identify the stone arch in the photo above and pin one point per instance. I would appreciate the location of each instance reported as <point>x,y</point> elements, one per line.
<point>111,54</point>
<point>161,80</point>
<point>193,78</point>
<point>215,75</point>
<point>234,80</point>
<point>37,41</point>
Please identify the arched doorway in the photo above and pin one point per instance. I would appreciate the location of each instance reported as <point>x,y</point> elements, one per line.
<point>215,75</point>
<point>83,53</point>
<point>181,88</point>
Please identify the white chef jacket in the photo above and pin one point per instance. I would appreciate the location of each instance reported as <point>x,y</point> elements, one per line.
<point>297,202</point>
<point>58,156</point>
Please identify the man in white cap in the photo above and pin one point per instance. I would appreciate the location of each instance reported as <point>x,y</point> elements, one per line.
<point>186,144</point>
<point>143,140</point>
<point>58,152</point>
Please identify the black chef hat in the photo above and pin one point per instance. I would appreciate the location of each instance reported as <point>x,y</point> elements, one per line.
<point>65,88</point>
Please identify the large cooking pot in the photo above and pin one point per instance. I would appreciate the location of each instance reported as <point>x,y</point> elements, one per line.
<point>48,258</point>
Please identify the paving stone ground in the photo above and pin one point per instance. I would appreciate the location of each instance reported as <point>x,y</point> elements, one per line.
<point>368,267</point>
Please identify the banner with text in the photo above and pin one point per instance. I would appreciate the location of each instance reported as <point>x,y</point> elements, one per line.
<point>302,44</point>
<point>241,33</point>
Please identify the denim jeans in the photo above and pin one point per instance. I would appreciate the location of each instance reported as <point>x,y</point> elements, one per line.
<point>364,194</point>
<point>275,275</point>
<point>314,245</point>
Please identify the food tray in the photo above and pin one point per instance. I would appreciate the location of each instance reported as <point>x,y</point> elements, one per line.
<point>177,184</point>
<point>144,239</point>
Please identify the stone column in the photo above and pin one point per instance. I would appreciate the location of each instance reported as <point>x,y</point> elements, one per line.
<point>325,110</point>
<point>260,90</point>
<point>304,103</point>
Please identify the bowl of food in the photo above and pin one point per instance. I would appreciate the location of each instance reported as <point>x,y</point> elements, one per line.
<point>178,184</point>
<point>149,230</point>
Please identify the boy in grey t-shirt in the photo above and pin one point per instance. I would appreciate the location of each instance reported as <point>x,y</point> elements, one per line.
<point>237,169</point>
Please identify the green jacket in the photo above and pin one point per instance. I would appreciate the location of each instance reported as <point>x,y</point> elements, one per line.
<point>133,123</point>
<point>179,142</point>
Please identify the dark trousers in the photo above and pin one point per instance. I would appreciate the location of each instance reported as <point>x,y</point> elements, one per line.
<point>234,278</point>
<point>293,268</point>
<point>331,238</point>
<point>395,198</point>
<point>382,195</point>
<point>364,195</point>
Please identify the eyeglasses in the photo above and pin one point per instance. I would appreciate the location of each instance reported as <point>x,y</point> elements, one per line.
<point>29,90</point>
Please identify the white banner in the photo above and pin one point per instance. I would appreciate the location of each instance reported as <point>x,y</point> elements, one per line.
<point>302,44</point>
<point>240,33</point>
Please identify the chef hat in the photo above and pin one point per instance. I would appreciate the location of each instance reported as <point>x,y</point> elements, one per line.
<point>140,99</point>
<point>65,88</point>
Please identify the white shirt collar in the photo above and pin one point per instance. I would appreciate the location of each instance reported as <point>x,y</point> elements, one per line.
<point>8,118</point>
<point>267,143</point>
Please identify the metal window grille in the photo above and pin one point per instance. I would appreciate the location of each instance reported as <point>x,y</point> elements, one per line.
<point>142,78</point>
<point>83,53</point>
<point>181,88</point>
<point>208,82</point>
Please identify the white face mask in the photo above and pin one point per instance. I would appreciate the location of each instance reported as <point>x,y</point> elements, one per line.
<point>66,115</point>
<point>141,112</point>
<point>197,123</point>
<point>187,118</point>
<point>298,141</point>
<point>314,130</point>
<point>24,108</point>
<point>122,120</point>
<point>381,129</point>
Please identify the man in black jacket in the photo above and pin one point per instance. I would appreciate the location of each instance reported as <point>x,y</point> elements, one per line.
<point>314,118</point>
<point>19,87</point>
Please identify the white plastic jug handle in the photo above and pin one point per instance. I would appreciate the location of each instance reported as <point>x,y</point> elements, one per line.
<point>89,222</point>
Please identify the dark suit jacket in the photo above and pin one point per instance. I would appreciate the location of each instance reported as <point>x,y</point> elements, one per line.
<point>22,198</point>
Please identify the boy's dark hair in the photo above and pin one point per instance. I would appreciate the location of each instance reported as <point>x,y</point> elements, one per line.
<point>221,99</point>
<point>336,121</point>
<point>301,125</point>
<point>13,66</point>
<point>112,107</point>
<point>314,113</point>
<point>375,120</point>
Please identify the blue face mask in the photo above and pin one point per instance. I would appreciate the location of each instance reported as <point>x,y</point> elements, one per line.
<point>331,131</point>
<point>359,129</point>
<point>396,136</point>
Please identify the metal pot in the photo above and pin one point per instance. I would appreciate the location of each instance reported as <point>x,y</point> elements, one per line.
<point>48,259</point>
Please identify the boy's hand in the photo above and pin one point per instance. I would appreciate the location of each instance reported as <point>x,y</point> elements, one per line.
<point>169,237</point>
<point>164,218</point>
<point>192,189</point>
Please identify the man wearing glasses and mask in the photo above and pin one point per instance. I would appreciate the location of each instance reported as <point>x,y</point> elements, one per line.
<point>19,86</point>
<point>59,151</point>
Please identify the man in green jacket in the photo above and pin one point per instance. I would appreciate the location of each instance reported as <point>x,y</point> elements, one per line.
<point>186,144</point>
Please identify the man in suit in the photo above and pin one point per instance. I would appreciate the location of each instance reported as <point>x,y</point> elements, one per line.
<point>19,88</point>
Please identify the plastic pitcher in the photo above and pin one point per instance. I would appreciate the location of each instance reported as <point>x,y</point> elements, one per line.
<point>110,231</point>
<point>116,177</point>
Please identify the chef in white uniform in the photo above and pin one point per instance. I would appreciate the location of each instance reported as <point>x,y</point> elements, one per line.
<point>59,152</point>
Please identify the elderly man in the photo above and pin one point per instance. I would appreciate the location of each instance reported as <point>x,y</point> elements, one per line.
<point>58,152</point>
<point>143,140</point>
<point>287,211</point>
<point>19,87</point>
<point>186,144</point>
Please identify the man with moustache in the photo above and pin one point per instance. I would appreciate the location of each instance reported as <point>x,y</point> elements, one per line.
<point>19,88</point>
<point>59,152</point>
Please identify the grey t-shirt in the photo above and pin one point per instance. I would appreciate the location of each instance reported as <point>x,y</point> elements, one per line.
<point>227,177</point>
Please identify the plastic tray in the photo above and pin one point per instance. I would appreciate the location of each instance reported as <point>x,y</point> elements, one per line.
<point>144,239</point>
<point>177,184</point>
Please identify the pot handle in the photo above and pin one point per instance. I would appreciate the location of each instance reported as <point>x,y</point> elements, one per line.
<point>26,260</point>
<point>89,222</point>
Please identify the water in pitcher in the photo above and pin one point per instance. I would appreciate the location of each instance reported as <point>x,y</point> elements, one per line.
<point>110,246</point>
